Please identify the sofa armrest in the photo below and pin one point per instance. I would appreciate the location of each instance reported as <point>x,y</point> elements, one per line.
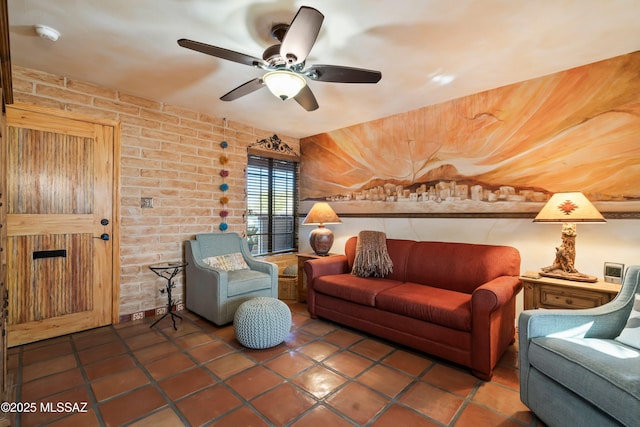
<point>493,317</point>
<point>318,267</point>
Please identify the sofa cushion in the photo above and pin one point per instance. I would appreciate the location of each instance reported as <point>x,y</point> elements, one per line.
<point>460,267</point>
<point>360,290</point>
<point>440,306</point>
<point>601,371</point>
<point>243,281</point>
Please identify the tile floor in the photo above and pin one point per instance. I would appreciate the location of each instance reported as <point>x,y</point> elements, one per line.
<point>322,375</point>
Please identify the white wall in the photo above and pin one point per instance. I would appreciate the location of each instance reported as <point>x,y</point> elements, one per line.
<point>614,241</point>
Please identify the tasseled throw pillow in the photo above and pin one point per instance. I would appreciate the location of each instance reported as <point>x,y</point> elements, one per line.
<point>630,335</point>
<point>372,258</point>
<point>230,262</point>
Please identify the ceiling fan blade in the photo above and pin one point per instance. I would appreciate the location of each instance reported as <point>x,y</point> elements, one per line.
<point>219,52</point>
<point>243,89</point>
<point>301,35</point>
<point>339,74</point>
<point>306,99</point>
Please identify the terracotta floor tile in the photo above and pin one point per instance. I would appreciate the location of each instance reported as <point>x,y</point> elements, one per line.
<point>79,419</point>
<point>143,340</point>
<point>128,407</point>
<point>318,328</point>
<point>118,383</point>
<point>169,365</point>
<point>75,395</point>
<point>208,404</point>
<point>241,417</point>
<point>321,375</point>
<point>164,418</point>
<point>229,365</point>
<point>210,351</point>
<point>267,353</point>
<point>319,381</point>
<point>343,338</point>
<point>156,351</point>
<point>451,379</point>
<point>357,402</point>
<point>289,364</point>
<point>431,401</point>
<point>321,416</point>
<point>506,376</point>
<point>399,416</point>
<point>298,338</point>
<point>186,383</point>
<point>94,338</point>
<point>109,366</point>
<point>253,381</point>
<point>348,363</point>
<point>372,349</point>
<point>473,416</point>
<point>318,350</point>
<point>407,362</point>
<point>48,367</point>
<point>101,352</point>
<point>291,402</point>
<point>38,354</point>
<point>385,380</point>
<point>503,400</point>
<point>51,384</point>
<point>194,339</point>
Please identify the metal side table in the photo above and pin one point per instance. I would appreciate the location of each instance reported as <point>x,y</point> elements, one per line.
<point>168,270</point>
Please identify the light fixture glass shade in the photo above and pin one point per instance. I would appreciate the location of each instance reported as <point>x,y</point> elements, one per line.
<point>284,84</point>
<point>321,238</point>
<point>569,207</point>
<point>321,213</point>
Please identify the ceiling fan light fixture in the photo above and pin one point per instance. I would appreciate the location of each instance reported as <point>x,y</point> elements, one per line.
<point>284,84</point>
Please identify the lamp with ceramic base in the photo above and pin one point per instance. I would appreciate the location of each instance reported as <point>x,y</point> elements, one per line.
<point>568,208</point>
<point>321,238</point>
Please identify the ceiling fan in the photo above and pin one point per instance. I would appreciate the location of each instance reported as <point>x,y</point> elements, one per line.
<point>285,62</point>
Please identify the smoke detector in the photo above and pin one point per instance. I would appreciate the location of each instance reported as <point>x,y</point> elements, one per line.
<point>47,32</point>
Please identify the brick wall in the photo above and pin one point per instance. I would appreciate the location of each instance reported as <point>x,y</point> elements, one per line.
<point>168,153</point>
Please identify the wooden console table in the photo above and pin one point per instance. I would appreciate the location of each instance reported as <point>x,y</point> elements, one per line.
<point>546,292</point>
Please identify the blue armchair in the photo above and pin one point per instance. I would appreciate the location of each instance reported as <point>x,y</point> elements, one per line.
<point>215,292</point>
<point>572,370</point>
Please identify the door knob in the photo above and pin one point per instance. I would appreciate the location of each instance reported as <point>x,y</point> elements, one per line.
<point>103,236</point>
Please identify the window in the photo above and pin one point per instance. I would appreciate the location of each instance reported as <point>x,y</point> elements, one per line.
<point>272,205</point>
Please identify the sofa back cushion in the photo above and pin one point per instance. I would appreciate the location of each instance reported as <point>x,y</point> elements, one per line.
<point>398,252</point>
<point>460,267</point>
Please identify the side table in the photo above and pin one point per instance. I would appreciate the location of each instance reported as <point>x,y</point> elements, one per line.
<point>302,258</point>
<point>168,270</point>
<point>547,292</point>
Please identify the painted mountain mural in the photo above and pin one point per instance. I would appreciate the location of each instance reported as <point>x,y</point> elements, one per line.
<point>503,150</point>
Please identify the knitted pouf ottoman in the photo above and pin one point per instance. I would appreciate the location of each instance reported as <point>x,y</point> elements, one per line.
<point>262,322</point>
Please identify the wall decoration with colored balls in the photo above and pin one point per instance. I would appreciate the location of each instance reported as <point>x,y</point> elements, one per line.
<point>224,187</point>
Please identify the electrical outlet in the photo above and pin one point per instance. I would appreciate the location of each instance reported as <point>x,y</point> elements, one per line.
<point>146,202</point>
<point>161,311</point>
<point>179,307</point>
<point>137,316</point>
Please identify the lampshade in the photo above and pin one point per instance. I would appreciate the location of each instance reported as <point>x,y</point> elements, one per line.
<point>569,207</point>
<point>284,84</point>
<point>321,213</point>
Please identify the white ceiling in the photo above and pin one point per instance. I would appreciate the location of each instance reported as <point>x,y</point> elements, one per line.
<point>130,45</point>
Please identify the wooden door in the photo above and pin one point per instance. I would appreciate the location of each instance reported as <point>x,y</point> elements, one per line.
<point>60,222</point>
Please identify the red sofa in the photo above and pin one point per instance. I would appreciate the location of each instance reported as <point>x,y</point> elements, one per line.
<point>452,300</point>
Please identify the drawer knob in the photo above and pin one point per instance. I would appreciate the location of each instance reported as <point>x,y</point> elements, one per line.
<point>569,301</point>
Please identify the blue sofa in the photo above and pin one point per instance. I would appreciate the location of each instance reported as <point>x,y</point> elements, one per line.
<point>572,370</point>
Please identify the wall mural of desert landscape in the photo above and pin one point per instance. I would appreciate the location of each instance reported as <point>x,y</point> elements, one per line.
<point>499,152</point>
